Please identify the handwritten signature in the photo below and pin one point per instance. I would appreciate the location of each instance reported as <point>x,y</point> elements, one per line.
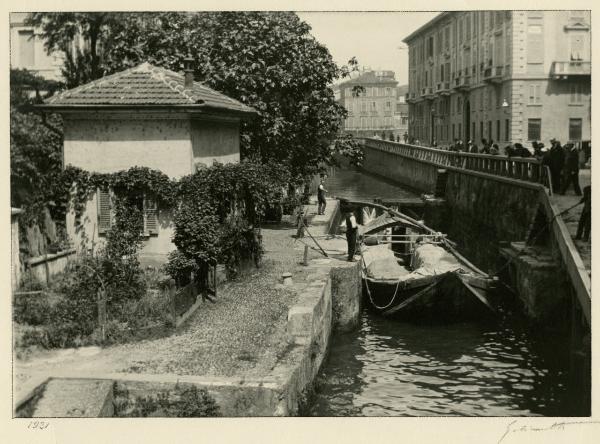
<point>513,427</point>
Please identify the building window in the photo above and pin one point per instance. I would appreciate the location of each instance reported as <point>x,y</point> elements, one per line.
<point>576,90</point>
<point>534,129</point>
<point>507,130</point>
<point>453,132</point>
<point>363,107</point>
<point>388,106</point>
<point>575,129</point>
<point>26,49</point>
<point>490,130</point>
<point>535,94</point>
<point>373,106</point>
<point>497,129</point>
<point>388,91</point>
<point>576,40</point>
<point>430,46</point>
<point>481,130</point>
<point>460,130</point>
<point>145,203</point>
<point>535,40</point>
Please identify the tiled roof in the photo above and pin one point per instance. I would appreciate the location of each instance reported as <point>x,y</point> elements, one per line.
<point>145,84</point>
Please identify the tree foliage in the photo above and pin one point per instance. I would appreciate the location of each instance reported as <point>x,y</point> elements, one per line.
<point>35,145</point>
<point>269,61</point>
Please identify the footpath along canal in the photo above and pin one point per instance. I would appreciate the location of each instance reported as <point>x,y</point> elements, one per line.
<point>500,367</point>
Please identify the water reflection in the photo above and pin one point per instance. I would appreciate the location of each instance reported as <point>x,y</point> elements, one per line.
<point>395,368</point>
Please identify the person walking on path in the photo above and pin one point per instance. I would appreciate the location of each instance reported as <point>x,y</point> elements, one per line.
<point>585,220</point>
<point>351,234</point>
<point>556,163</point>
<point>571,169</point>
<point>322,202</point>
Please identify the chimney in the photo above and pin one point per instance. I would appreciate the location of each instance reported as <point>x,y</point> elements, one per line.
<point>189,72</point>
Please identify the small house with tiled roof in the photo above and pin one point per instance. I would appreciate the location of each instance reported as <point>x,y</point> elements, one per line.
<point>145,116</point>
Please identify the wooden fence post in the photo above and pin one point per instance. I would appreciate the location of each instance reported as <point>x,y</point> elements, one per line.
<point>101,301</point>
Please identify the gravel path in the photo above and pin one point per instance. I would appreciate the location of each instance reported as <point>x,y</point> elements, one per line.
<point>241,335</point>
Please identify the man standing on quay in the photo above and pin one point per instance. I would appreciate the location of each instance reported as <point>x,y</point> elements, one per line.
<point>351,234</point>
<point>322,202</point>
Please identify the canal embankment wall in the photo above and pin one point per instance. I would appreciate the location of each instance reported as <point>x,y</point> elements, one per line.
<point>484,212</point>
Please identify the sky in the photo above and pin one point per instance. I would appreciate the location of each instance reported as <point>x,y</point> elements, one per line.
<point>374,38</point>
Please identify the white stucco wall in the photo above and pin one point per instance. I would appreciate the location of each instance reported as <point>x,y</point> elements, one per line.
<point>110,145</point>
<point>105,143</point>
<point>215,141</point>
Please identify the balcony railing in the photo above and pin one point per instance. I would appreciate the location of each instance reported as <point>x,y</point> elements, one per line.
<point>526,169</point>
<point>571,68</point>
<point>493,74</point>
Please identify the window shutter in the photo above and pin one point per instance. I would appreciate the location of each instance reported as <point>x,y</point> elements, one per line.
<point>150,216</point>
<point>104,219</point>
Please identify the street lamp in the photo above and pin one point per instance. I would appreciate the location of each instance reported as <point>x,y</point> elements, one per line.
<point>505,105</point>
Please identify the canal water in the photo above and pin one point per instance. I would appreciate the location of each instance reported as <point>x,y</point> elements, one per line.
<point>392,368</point>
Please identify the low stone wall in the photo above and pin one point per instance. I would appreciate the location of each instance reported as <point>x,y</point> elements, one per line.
<point>413,173</point>
<point>43,268</point>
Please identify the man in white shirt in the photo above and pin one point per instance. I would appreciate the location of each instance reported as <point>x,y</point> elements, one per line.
<point>351,234</point>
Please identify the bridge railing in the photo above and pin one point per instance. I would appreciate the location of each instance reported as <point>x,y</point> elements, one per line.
<point>527,169</point>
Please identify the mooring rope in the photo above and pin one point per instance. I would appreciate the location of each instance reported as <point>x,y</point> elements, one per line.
<point>364,267</point>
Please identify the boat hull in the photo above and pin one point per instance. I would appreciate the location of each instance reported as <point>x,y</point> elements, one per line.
<point>433,297</point>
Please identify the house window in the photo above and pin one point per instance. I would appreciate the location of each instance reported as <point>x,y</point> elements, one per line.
<point>26,49</point>
<point>576,90</point>
<point>481,129</point>
<point>430,46</point>
<point>459,130</point>
<point>388,106</point>
<point>507,130</point>
<point>363,107</point>
<point>373,106</point>
<point>534,129</point>
<point>575,129</point>
<point>490,129</point>
<point>145,203</point>
<point>388,91</point>
<point>535,41</point>
<point>453,132</point>
<point>576,40</point>
<point>535,94</point>
<point>497,129</point>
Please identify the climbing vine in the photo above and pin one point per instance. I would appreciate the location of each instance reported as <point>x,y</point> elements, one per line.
<point>217,210</point>
<point>221,208</point>
<point>78,186</point>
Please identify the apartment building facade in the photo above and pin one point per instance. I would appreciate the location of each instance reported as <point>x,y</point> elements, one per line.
<point>27,49</point>
<point>373,109</point>
<point>510,76</point>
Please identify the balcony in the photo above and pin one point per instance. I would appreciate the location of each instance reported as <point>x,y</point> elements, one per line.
<point>428,92</point>
<point>564,70</point>
<point>462,83</point>
<point>444,88</point>
<point>493,74</point>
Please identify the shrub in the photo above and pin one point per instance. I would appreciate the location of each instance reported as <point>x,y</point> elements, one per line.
<point>180,268</point>
<point>189,402</point>
<point>32,309</point>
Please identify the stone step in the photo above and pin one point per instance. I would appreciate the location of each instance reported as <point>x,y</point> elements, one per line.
<point>75,398</point>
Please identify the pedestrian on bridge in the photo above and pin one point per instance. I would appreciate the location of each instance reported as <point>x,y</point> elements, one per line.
<point>556,162</point>
<point>571,169</point>
<point>585,220</point>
